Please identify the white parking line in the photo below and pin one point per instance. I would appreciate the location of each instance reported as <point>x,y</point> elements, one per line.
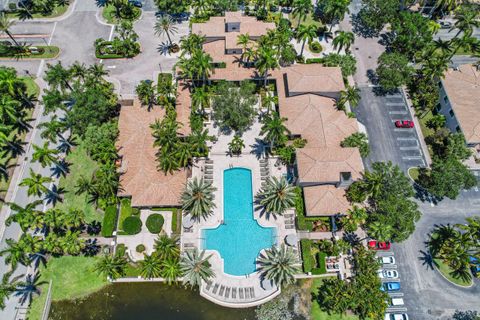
<point>402,130</point>
<point>407,139</point>
<point>397,309</point>
<point>409,148</point>
<point>413,158</point>
<point>397,112</point>
<point>395,294</point>
<point>395,104</point>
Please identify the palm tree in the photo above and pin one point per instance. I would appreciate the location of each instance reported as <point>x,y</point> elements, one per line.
<point>191,43</point>
<point>466,21</point>
<point>57,76</point>
<point>35,184</point>
<point>184,154</point>
<point>111,266</point>
<point>198,142</point>
<point>146,93</point>
<point>7,288</point>
<point>195,267</point>
<point>197,199</point>
<point>165,25</point>
<point>306,33</point>
<point>5,24</point>
<point>15,253</point>
<point>266,60</point>
<point>372,183</point>
<point>8,109</point>
<point>201,98</point>
<point>84,185</point>
<point>335,10</point>
<point>44,155</point>
<point>277,196</point>
<point>52,129</point>
<point>236,145</point>
<point>171,270</point>
<point>78,70</point>
<point>350,95</point>
<point>447,5</point>
<point>151,267</point>
<point>274,130</point>
<point>167,248</point>
<point>472,228</point>
<point>202,64</point>
<point>343,39</point>
<point>301,8</point>
<point>279,264</point>
<point>380,231</point>
<point>243,40</point>
<point>24,216</point>
<point>269,101</point>
<point>444,46</point>
<point>26,289</point>
<point>325,34</point>
<point>54,195</point>
<point>97,70</point>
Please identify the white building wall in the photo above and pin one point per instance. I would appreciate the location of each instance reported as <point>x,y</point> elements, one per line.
<point>444,107</point>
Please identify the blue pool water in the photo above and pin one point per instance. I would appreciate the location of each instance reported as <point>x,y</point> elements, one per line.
<point>240,239</point>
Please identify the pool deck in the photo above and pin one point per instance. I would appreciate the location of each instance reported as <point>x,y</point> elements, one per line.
<point>222,287</point>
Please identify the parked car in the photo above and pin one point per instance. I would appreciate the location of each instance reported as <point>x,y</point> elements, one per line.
<point>387,274</point>
<point>475,266</point>
<point>390,286</point>
<point>396,316</point>
<point>135,3</point>
<point>378,245</point>
<point>387,260</point>
<point>445,24</point>
<point>395,302</point>
<point>404,124</point>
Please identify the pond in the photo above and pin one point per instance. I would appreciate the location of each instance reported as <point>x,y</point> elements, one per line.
<point>138,301</point>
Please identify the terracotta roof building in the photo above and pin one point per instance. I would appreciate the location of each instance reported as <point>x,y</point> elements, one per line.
<point>140,178</point>
<point>325,200</point>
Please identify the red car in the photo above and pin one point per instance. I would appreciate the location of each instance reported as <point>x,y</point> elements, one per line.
<point>377,245</point>
<point>404,124</point>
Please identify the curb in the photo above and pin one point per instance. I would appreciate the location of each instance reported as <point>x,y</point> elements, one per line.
<point>65,15</point>
<point>457,285</point>
<point>35,59</point>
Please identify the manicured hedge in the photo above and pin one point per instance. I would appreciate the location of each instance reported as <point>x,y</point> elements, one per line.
<point>132,225</point>
<point>140,248</point>
<point>313,60</point>
<point>315,47</point>
<point>308,261</point>
<point>322,268</point>
<point>109,221</point>
<point>120,250</point>
<point>155,223</point>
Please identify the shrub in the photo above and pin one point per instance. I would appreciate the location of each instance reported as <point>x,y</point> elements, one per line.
<point>109,220</point>
<point>321,266</point>
<point>132,225</point>
<point>164,83</point>
<point>135,211</point>
<point>121,249</point>
<point>155,223</point>
<point>313,60</point>
<point>140,248</point>
<point>219,65</point>
<point>315,47</point>
<point>308,261</point>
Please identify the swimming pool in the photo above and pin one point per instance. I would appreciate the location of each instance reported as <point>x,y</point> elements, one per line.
<point>240,238</point>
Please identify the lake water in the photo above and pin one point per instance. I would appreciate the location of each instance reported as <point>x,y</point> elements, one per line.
<point>142,301</point>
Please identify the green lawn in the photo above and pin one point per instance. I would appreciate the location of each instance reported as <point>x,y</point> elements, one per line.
<point>50,52</point>
<point>125,211</point>
<point>57,11</point>
<point>32,87</point>
<point>73,277</point>
<point>423,118</point>
<point>317,314</point>
<point>445,271</point>
<point>414,173</point>
<point>310,19</point>
<point>82,165</point>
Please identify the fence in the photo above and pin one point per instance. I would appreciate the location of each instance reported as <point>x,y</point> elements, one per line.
<point>48,302</point>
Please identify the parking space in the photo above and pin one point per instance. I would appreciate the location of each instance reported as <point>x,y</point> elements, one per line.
<point>389,142</point>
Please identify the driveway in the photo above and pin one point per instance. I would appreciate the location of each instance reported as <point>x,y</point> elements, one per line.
<point>388,143</point>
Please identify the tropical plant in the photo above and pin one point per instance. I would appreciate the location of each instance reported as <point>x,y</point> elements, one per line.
<point>150,266</point>
<point>171,270</point>
<point>266,60</point>
<point>195,267</point>
<point>333,10</point>
<point>236,145</point>
<point>343,39</point>
<point>44,155</point>
<point>111,266</point>
<point>301,8</point>
<point>166,248</point>
<point>146,93</point>
<point>350,95</point>
<point>24,216</point>
<point>306,33</point>
<point>58,77</point>
<point>16,253</point>
<point>5,25</point>
<point>7,288</point>
<point>357,140</point>
<point>165,25</point>
<point>35,184</point>
<point>279,264</point>
<point>274,130</point>
<point>277,196</point>
<point>197,199</point>
<point>465,21</point>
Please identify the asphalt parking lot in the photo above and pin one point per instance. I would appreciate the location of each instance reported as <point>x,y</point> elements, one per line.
<point>378,114</point>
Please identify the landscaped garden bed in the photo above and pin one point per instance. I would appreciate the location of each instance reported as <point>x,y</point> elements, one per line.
<point>313,258</point>
<point>37,52</point>
<point>129,222</point>
<point>109,50</point>
<point>176,218</point>
<point>33,12</point>
<point>112,16</point>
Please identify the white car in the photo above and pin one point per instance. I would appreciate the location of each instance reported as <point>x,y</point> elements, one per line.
<point>387,274</point>
<point>396,316</point>
<point>387,260</point>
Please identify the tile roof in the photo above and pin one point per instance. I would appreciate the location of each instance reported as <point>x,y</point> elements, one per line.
<point>314,78</point>
<point>463,90</point>
<point>140,178</point>
<point>324,165</point>
<point>325,200</point>
<point>316,119</point>
<point>183,107</point>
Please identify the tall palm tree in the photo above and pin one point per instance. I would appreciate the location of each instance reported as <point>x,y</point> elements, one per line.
<point>266,60</point>
<point>5,25</point>
<point>274,130</point>
<point>44,155</point>
<point>447,5</point>
<point>171,270</point>
<point>35,184</point>
<point>84,185</point>
<point>306,33</point>
<point>301,8</point>
<point>165,25</point>
<point>111,266</point>
<point>350,95</point>
<point>24,216</point>
<point>78,70</point>
<point>191,43</point>
<point>380,231</point>
<point>335,10</point>
<point>167,247</point>
<point>195,267</point>
<point>146,93</point>
<point>202,64</point>
<point>466,21</point>
<point>201,98</point>
<point>236,145</point>
<point>279,264</point>
<point>197,199</point>
<point>58,77</point>
<point>243,40</point>
<point>184,154</point>
<point>372,183</point>
<point>15,253</point>
<point>444,46</point>
<point>472,228</point>
<point>277,196</point>
<point>54,195</point>
<point>7,288</point>
<point>8,109</point>
<point>344,39</point>
<point>198,142</point>
<point>26,289</point>
<point>151,266</point>
<point>97,70</point>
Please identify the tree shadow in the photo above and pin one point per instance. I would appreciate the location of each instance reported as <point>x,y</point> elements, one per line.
<point>259,149</point>
<point>164,49</point>
<point>360,29</point>
<point>372,76</point>
<point>427,260</point>
<point>380,91</point>
<point>423,195</point>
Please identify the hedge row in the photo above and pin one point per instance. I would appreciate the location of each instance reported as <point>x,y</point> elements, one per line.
<point>322,267</point>
<point>308,261</point>
<point>109,221</point>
